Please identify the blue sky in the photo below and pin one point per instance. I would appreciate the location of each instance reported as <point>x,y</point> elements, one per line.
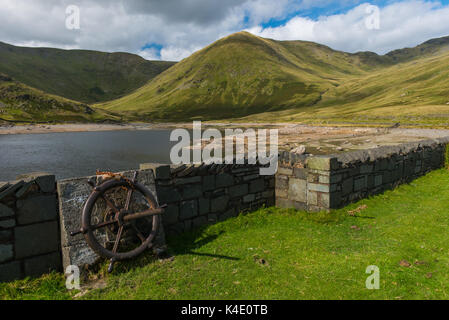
<point>174,29</point>
<point>331,8</point>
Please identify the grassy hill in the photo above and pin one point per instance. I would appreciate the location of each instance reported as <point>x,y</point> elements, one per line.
<point>21,103</point>
<point>81,75</point>
<point>239,75</point>
<point>245,75</point>
<point>413,93</point>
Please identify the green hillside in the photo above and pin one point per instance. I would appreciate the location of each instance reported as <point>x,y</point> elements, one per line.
<point>413,93</point>
<point>240,75</point>
<point>245,75</point>
<point>19,102</point>
<point>81,75</point>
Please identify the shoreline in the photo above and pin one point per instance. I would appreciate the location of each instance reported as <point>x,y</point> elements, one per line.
<point>82,127</point>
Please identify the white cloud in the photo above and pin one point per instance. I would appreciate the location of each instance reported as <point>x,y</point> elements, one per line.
<point>401,24</point>
<point>184,26</point>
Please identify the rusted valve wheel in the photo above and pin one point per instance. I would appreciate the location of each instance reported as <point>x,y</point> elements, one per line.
<point>136,216</point>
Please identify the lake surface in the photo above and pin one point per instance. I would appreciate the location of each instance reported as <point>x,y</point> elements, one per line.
<point>77,154</point>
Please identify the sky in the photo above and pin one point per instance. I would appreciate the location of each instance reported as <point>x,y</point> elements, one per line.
<point>173,29</point>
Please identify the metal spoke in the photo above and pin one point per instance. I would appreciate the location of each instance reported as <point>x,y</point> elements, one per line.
<point>117,240</point>
<point>110,204</point>
<point>128,198</point>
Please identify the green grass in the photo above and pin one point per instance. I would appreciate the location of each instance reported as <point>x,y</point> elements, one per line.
<point>307,255</point>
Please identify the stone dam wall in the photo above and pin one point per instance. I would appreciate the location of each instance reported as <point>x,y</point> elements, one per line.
<point>29,229</point>
<point>37,213</point>
<point>330,182</point>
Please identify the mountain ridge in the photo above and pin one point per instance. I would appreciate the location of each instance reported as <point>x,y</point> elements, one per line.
<point>244,74</point>
<point>87,76</point>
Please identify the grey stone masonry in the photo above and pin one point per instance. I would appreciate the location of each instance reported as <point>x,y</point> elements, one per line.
<point>317,183</point>
<point>198,195</point>
<point>29,231</point>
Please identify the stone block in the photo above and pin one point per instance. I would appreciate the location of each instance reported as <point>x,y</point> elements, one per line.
<point>191,192</point>
<point>360,183</point>
<point>238,190</point>
<point>5,211</point>
<point>219,204</point>
<point>324,163</point>
<point>10,271</point>
<point>249,198</point>
<point>227,214</point>
<point>4,186</point>
<point>336,178</point>
<point>212,218</point>
<point>366,168</point>
<point>199,222</point>
<point>36,209</point>
<point>324,200</point>
<point>313,177</point>
<point>251,177</point>
<point>378,180</point>
<point>208,183</point>
<point>25,188</point>
<point>5,236</point>
<point>79,255</point>
<point>312,198</point>
<point>285,171</point>
<point>42,264</point>
<point>176,229</point>
<point>168,195</point>
<point>36,239</point>
<point>6,224</point>
<point>171,215</point>
<point>47,183</point>
<point>290,204</point>
<point>297,190</point>
<point>187,225</point>
<point>300,173</point>
<point>161,171</point>
<point>188,209</point>
<point>11,189</point>
<point>224,180</point>
<point>6,252</point>
<point>381,165</point>
<point>204,206</point>
<point>257,185</point>
<point>282,193</point>
<point>318,187</point>
<point>281,182</point>
<point>268,194</point>
<point>187,180</point>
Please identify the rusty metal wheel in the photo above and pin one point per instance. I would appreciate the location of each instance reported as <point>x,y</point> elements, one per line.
<point>120,219</point>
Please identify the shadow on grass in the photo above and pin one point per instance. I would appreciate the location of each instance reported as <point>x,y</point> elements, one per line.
<point>188,242</point>
<point>183,244</point>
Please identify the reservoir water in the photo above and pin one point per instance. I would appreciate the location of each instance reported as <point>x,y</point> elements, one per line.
<point>76,154</point>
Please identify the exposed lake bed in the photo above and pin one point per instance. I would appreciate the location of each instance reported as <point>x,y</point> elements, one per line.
<point>71,150</point>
